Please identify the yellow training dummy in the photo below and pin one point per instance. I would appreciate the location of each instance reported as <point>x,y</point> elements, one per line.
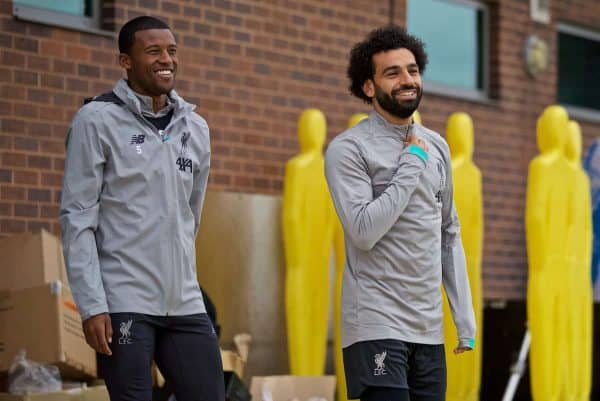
<point>308,222</point>
<point>547,215</point>
<point>464,371</point>
<point>579,293</point>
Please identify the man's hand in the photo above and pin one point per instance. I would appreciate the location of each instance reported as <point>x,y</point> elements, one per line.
<point>98,332</point>
<point>412,139</point>
<point>460,350</point>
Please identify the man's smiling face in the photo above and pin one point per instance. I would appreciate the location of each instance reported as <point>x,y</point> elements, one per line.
<point>396,86</point>
<point>152,62</point>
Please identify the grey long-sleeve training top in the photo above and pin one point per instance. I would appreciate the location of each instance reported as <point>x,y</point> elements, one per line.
<point>401,235</point>
<point>131,205</point>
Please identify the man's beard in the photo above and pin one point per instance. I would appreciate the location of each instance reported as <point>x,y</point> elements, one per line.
<point>402,109</point>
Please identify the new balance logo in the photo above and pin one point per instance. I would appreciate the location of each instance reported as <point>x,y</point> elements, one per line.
<point>380,368</point>
<point>125,329</point>
<point>137,139</point>
<point>184,164</point>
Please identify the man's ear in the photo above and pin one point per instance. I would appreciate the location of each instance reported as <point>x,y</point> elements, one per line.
<point>369,88</point>
<point>125,61</point>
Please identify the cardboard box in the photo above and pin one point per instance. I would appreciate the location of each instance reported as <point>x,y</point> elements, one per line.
<point>232,362</point>
<point>286,388</point>
<point>45,322</point>
<point>97,393</point>
<point>29,260</point>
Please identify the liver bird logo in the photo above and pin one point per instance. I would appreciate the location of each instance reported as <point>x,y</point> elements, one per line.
<point>380,369</point>
<point>125,330</point>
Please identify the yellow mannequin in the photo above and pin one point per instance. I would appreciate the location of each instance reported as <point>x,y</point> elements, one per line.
<point>579,299</point>
<point>464,371</point>
<point>340,261</point>
<point>308,235</point>
<point>417,117</point>
<point>547,217</point>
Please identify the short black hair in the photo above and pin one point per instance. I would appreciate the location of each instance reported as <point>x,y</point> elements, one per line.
<point>361,68</point>
<point>127,32</point>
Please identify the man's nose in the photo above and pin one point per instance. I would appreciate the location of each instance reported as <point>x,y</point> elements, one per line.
<point>406,78</point>
<point>165,57</point>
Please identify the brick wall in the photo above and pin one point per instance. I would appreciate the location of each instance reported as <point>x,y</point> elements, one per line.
<point>252,67</point>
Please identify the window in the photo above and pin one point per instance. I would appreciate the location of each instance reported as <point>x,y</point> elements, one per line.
<point>81,15</point>
<point>578,66</point>
<point>455,35</point>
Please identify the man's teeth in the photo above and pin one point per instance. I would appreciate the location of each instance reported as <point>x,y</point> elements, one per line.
<point>165,73</point>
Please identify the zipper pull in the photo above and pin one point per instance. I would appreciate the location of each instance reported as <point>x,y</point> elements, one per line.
<point>163,137</point>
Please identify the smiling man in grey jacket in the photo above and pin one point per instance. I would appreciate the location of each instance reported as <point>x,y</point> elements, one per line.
<point>391,183</point>
<point>135,178</point>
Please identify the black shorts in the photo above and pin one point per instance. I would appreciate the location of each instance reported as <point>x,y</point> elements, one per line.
<point>185,349</point>
<point>418,368</point>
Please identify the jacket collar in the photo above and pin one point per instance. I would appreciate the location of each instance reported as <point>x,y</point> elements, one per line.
<point>382,124</point>
<point>142,105</point>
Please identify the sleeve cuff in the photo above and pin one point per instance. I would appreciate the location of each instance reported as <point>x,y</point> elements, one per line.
<point>415,150</point>
<point>467,342</point>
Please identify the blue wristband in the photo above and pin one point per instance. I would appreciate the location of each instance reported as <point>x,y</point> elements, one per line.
<point>416,150</point>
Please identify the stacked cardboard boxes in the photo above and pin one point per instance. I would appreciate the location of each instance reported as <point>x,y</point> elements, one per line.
<point>37,312</point>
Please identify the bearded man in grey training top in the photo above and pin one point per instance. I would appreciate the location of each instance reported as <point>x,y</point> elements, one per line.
<point>391,182</point>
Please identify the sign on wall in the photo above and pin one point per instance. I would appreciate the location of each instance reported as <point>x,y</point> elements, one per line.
<point>539,10</point>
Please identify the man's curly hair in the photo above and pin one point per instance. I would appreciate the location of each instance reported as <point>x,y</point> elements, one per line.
<point>361,68</point>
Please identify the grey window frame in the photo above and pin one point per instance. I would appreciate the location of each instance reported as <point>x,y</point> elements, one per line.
<point>582,113</point>
<point>75,22</point>
<point>483,94</point>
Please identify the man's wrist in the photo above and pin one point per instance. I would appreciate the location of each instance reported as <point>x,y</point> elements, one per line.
<point>416,150</point>
<point>467,343</point>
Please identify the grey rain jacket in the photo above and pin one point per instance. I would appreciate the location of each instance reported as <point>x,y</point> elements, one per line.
<point>130,207</point>
<point>402,235</point>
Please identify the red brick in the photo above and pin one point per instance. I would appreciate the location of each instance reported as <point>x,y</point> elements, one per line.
<point>52,48</point>
<point>53,81</point>
<point>63,66</point>
<point>38,63</point>
<point>52,180</point>
<point>26,110</point>
<point>12,193</point>
<point>79,53</point>
<point>23,177</point>
<point>24,143</point>
<point>26,210</point>
<point>26,77</point>
<point>11,58</point>
<point>26,44</point>
<point>49,212</point>
<point>5,176</point>
<point>38,195</point>
<point>6,209</point>
<point>12,226</point>
<point>39,162</point>
<point>33,226</point>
